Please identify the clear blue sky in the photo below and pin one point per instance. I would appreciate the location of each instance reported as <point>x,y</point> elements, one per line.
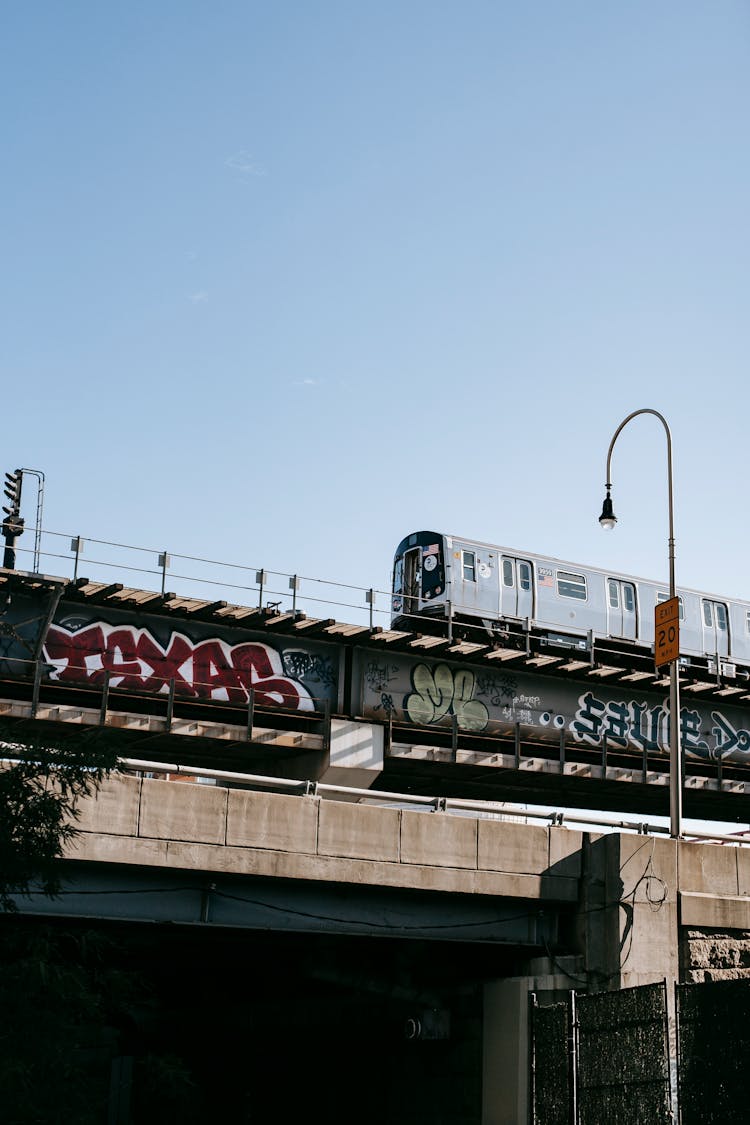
<point>285,282</point>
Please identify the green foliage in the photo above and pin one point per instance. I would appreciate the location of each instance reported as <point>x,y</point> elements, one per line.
<point>40,785</point>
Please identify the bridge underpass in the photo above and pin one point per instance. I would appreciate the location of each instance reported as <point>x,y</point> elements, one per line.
<point>282,1027</point>
<point>300,948</point>
<point>287,998</point>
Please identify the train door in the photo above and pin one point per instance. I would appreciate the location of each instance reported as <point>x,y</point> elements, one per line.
<point>412,579</point>
<point>475,581</point>
<point>621,613</point>
<point>517,593</point>
<point>715,628</point>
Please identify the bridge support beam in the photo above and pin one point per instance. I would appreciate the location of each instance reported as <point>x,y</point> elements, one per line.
<point>629,919</point>
<point>353,757</point>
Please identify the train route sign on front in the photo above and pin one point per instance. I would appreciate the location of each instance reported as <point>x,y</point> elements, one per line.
<point>667,632</point>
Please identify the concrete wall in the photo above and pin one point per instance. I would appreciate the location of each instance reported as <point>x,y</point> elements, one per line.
<point>191,826</point>
<point>651,905</point>
<point>636,892</point>
<point>629,917</point>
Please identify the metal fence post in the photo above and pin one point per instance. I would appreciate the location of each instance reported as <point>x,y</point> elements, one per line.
<point>573,1059</point>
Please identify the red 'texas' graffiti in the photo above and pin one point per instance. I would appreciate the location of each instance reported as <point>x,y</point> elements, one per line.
<point>211,669</point>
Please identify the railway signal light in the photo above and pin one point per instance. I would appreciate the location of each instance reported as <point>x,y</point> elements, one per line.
<point>12,526</point>
<point>12,489</point>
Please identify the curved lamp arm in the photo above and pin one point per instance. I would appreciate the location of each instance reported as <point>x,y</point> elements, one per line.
<point>608,518</point>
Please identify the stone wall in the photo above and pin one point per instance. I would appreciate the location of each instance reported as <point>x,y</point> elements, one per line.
<point>708,954</point>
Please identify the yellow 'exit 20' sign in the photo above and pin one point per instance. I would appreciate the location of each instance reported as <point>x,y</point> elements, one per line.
<point>667,632</point>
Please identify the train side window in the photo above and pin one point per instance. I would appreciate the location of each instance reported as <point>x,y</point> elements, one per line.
<point>708,617</point>
<point>470,566</point>
<point>524,576</point>
<point>662,597</point>
<point>508,574</point>
<point>747,620</point>
<point>721,616</point>
<point>614,594</point>
<point>571,585</point>
<point>628,596</point>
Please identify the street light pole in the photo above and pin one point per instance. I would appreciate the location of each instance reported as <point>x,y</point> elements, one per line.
<point>608,520</point>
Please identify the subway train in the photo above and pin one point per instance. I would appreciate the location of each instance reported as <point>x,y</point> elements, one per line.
<point>487,590</point>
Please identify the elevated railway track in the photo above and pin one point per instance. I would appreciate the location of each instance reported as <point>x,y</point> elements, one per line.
<point>268,691</point>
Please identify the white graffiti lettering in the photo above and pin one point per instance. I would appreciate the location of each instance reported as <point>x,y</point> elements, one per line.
<point>647,726</point>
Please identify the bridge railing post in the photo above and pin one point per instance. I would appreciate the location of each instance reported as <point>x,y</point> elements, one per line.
<point>170,705</point>
<point>164,562</point>
<point>37,688</point>
<point>250,712</point>
<point>260,578</point>
<point>105,698</point>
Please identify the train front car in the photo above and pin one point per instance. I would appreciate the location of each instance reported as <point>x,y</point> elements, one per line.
<point>419,582</point>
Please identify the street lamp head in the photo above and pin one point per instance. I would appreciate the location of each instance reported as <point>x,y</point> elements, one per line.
<point>608,519</point>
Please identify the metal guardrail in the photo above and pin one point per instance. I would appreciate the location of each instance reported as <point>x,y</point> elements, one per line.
<point>556,818</point>
<point>68,557</point>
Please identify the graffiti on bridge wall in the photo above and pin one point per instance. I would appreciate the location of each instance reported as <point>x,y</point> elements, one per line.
<point>441,691</point>
<point>428,694</point>
<point>210,668</point>
<point>646,726</point>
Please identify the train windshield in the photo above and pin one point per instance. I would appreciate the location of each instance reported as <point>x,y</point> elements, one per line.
<point>418,572</point>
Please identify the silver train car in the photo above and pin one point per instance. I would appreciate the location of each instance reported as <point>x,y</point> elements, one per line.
<point>483,589</point>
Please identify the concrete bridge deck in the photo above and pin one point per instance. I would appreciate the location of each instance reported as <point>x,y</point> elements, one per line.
<point>148,824</point>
